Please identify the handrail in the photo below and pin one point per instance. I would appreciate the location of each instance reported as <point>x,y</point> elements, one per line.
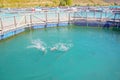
<point>18,21</point>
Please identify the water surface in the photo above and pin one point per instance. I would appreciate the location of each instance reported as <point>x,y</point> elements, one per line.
<point>61,53</point>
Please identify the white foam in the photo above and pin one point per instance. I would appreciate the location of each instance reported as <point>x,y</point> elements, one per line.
<point>38,44</point>
<point>61,47</point>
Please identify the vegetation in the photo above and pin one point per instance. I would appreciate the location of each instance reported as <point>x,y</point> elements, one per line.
<point>53,3</point>
<point>69,2</point>
<point>66,2</point>
<point>62,3</point>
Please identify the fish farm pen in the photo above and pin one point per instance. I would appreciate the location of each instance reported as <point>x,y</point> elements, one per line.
<point>97,18</point>
<point>13,25</point>
<point>76,43</point>
<point>84,16</point>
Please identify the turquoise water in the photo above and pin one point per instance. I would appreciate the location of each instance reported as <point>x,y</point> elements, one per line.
<point>61,53</point>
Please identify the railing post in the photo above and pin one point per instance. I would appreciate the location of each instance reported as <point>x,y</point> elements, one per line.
<point>1,25</point>
<point>25,20</point>
<point>30,21</point>
<point>114,20</point>
<point>114,17</point>
<point>58,19</point>
<point>86,18</point>
<point>105,14</point>
<point>101,16</point>
<point>74,16</point>
<point>15,24</point>
<point>69,18</point>
<point>94,14</point>
<point>46,17</point>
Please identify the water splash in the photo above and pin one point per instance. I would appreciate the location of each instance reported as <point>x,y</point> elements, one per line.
<point>38,44</point>
<point>61,47</point>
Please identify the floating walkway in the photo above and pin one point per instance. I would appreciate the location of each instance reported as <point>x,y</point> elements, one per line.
<point>10,26</point>
<point>97,18</point>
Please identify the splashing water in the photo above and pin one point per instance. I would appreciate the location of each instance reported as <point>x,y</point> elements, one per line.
<point>61,47</point>
<point>38,44</point>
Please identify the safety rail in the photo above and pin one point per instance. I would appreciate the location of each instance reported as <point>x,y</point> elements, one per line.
<point>27,20</point>
<point>96,16</point>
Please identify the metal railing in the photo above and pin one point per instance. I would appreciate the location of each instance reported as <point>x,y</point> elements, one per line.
<point>96,16</point>
<point>28,20</point>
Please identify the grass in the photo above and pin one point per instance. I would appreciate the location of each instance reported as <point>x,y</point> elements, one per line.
<point>33,3</point>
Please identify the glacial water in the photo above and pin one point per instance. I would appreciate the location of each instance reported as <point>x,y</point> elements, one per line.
<point>61,53</point>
